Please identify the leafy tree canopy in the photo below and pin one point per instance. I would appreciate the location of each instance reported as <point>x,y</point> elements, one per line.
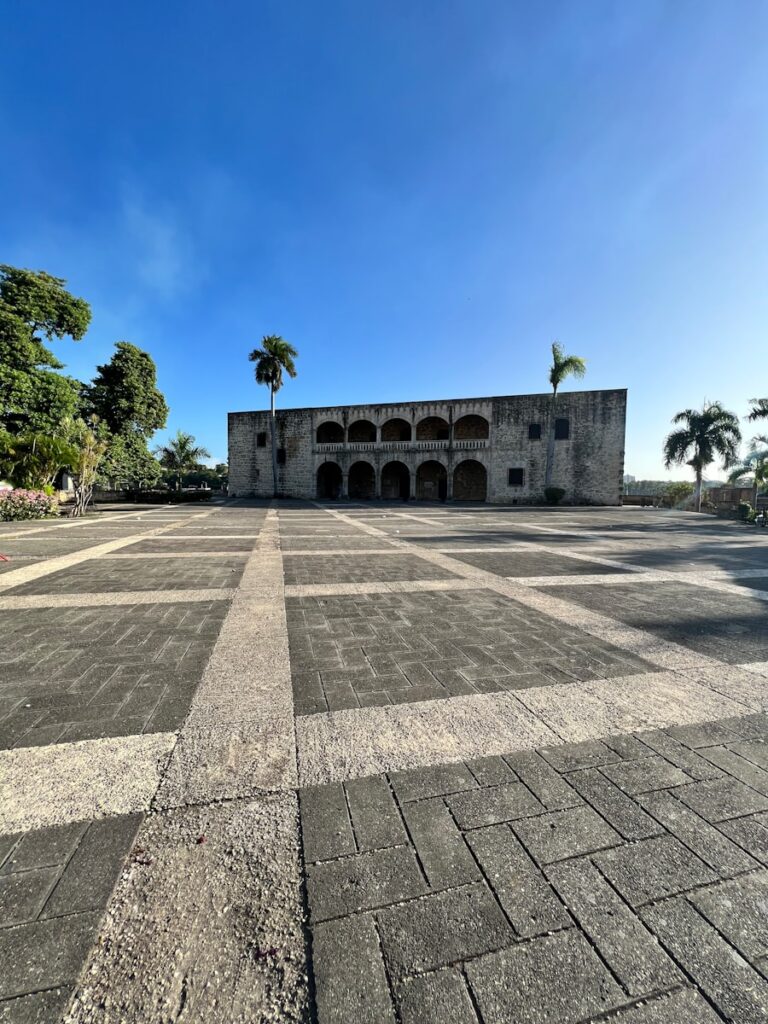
<point>124,393</point>
<point>34,303</point>
<point>128,463</point>
<point>181,455</point>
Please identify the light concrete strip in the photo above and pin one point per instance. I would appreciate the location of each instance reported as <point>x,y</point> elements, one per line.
<point>68,524</point>
<point>349,744</point>
<point>366,741</point>
<point>207,925</point>
<point>33,572</point>
<point>760,667</point>
<point>239,736</point>
<point>117,597</point>
<point>64,782</point>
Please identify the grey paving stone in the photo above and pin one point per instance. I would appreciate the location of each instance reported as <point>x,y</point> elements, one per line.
<point>7,844</point>
<point>90,875</point>
<point>436,999</point>
<point>631,951</point>
<point>568,757</point>
<point>551,789</point>
<point>440,846</point>
<point>44,954</point>
<point>733,760</point>
<point>490,806</point>
<point>754,751</point>
<point>653,869</point>
<point>641,776</point>
<point>705,734</point>
<point>45,847</point>
<point>441,929</point>
<point>619,810</point>
<point>23,894</point>
<point>37,1008</point>
<point>375,817</point>
<point>363,882</point>
<point>422,783</point>
<point>491,771</point>
<point>325,826</point>
<point>569,833</point>
<point>679,754</point>
<point>738,991</point>
<point>683,1007</point>
<point>697,834</point>
<point>739,910</point>
<point>628,747</point>
<point>527,898</point>
<point>350,982</point>
<point>750,833</point>
<point>720,799</point>
<point>553,980</point>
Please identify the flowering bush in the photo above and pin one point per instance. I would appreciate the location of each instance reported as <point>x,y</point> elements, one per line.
<point>24,504</point>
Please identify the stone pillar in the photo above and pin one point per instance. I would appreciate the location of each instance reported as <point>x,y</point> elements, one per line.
<point>345,485</point>
<point>449,476</point>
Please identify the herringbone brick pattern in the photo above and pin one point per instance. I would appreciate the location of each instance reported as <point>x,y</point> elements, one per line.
<point>375,649</point>
<point>362,568</point>
<point>553,886</point>
<point>109,575</point>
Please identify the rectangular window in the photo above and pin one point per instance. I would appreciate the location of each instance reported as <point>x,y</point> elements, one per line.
<point>261,439</point>
<point>562,430</point>
<point>516,477</point>
<point>534,431</point>
<point>281,456</point>
<point>442,434</point>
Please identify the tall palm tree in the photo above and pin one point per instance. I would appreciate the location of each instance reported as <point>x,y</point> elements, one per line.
<point>759,410</point>
<point>562,366</point>
<point>754,465</point>
<point>275,357</point>
<point>707,433</point>
<point>180,455</point>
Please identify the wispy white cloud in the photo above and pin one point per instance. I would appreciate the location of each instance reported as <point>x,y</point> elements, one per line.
<point>162,251</point>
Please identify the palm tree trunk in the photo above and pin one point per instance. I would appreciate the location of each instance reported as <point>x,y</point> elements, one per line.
<point>274,442</point>
<point>550,443</point>
<point>698,491</point>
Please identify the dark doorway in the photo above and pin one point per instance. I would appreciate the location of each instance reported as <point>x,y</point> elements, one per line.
<point>431,481</point>
<point>470,481</point>
<point>395,482</point>
<point>362,481</point>
<point>329,482</point>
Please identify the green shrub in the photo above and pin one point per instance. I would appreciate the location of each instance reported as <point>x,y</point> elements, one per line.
<point>554,495</point>
<point>22,504</point>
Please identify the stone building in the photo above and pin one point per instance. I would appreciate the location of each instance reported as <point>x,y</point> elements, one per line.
<point>466,449</point>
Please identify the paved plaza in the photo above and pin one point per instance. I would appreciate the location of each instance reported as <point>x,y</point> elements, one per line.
<point>383,764</point>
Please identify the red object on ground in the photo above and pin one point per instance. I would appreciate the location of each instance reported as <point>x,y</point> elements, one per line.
<point>4,558</point>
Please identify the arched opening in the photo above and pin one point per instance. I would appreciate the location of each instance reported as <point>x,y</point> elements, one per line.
<point>330,433</point>
<point>470,428</point>
<point>362,481</point>
<point>431,481</point>
<point>470,481</point>
<point>329,482</point>
<point>396,430</point>
<point>395,482</point>
<point>433,428</point>
<point>361,430</point>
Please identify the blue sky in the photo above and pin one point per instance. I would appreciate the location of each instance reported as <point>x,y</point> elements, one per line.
<point>420,196</point>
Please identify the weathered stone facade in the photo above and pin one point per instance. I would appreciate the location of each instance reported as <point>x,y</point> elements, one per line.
<point>473,449</point>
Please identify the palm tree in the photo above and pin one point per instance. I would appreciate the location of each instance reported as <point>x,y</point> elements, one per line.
<point>180,455</point>
<point>275,356</point>
<point>759,410</point>
<point>754,465</point>
<point>706,433</point>
<point>562,366</point>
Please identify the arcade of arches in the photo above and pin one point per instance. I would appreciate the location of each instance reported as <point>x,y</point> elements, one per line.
<point>470,481</point>
<point>432,428</point>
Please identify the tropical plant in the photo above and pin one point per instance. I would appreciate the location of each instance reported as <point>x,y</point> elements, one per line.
<point>705,434</point>
<point>21,504</point>
<point>90,440</point>
<point>563,366</point>
<point>180,455</point>
<point>275,357</point>
<point>677,494</point>
<point>759,410</point>
<point>33,460</point>
<point>754,466</point>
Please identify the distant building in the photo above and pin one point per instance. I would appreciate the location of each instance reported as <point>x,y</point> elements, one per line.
<point>467,449</point>
<point>629,479</point>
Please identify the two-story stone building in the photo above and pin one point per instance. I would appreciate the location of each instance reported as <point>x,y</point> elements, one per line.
<point>466,449</point>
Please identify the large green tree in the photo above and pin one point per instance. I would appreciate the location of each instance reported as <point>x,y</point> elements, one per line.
<point>36,308</point>
<point>125,397</point>
<point>759,410</point>
<point>704,435</point>
<point>180,455</point>
<point>275,357</point>
<point>563,366</point>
